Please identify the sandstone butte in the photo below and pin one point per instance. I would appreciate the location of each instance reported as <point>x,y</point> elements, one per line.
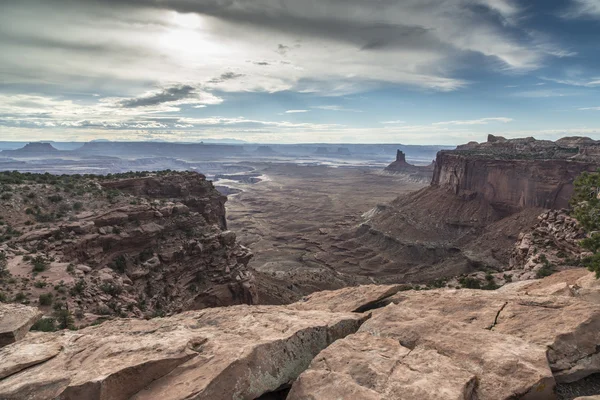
<point>524,341</point>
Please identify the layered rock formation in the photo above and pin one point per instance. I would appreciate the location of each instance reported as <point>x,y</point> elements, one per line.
<point>413,172</point>
<point>515,174</point>
<point>150,245</point>
<point>534,341</point>
<point>481,198</point>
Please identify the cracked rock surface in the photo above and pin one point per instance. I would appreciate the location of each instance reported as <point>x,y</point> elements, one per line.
<point>464,344</point>
<point>238,352</point>
<point>522,342</point>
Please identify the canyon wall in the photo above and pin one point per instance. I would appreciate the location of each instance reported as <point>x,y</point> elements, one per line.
<point>516,174</point>
<point>510,185</point>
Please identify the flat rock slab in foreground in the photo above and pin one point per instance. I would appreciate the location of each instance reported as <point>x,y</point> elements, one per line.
<point>238,352</point>
<point>459,344</point>
<point>15,321</point>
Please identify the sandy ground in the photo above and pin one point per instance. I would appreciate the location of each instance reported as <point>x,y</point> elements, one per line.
<point>295,214</point>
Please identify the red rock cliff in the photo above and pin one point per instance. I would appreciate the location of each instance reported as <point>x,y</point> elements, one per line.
<point>515,174</point>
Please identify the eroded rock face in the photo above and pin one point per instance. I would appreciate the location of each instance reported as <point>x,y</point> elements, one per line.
<point>237,352</point>
<point>15,321</point>
<point>516,174</point>
<point>145,246</point>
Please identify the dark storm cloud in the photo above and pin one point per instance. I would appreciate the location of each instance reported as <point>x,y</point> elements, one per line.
<point>168,95</point>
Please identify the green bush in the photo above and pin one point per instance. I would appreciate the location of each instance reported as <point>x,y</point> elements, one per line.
<point>40,264</point>
<point>46,299</point>
<point>469,283</point>
<point>586,209</point>
<point>111,289</point>
<point>45,325</point>
<point>55,198</point>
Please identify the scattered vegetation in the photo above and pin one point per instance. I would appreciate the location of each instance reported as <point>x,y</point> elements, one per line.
<point>586,209</point>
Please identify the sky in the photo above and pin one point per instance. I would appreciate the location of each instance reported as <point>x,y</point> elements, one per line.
<point>296,71</point>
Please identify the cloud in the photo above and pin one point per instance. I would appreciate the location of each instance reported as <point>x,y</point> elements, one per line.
<point>394,122</point>
<point>537,94</point>
<point>576,81</point>
<point>167,99</point>
<point>590,109</point>
<point>337,108</point>
<point>296,111</point>
<point>481,121</point>
<point>583,8</point>
<point>226,77</point>
<point>188,42</point>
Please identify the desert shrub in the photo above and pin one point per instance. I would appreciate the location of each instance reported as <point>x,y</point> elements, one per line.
<point>78,288</point>
<point>469,283</point>
<point>547,268</point>
<point>6,196</point>
<point>40,284</point>
<point>64,318</point>
<point>4,273</point>
<point>46,299</point>
<point>55,198</point>
<point>586,209</point>
<point>40,264</point>
<point>20,297</point>
<point>44,325</point>
<point>111,289</point>
<point>77,206</point>
<point>119,264</point>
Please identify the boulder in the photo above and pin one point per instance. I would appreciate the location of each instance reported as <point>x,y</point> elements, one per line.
<point>239,352</point>
<point>15,321</point>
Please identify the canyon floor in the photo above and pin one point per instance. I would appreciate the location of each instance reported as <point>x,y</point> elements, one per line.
<point>291,218</point>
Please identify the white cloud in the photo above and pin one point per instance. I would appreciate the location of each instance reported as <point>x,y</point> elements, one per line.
<point>590,109</point>
<point>393,122</point>
<point>584,8</point>
<point>323,53</point>
<point>337,108</point>
<point>481,121</point>
<point>576,81</point>
<point>296,111</point>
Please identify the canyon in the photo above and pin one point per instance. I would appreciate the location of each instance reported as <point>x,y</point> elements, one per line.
<point>456,280</point>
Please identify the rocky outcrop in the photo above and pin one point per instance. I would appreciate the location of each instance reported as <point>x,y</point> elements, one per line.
<point>145,246</point>
<point>368,342</point>
<point>551,245</point>
<point>481,198</point>
<point>15,321</point>
<point>414,172</point>
<point>239,352</point>
<point>462,344</point>
<point>516,174</point>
